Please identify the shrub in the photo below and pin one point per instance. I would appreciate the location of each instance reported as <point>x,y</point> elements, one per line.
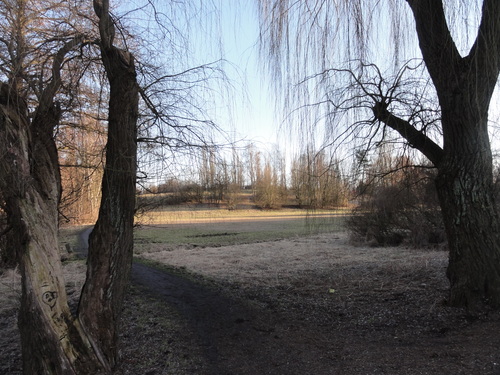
<point>376,220</point>
<point>403,212</point>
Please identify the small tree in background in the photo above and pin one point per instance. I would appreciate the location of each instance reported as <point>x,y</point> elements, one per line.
<point>317,182</point>
<point>270,191</point>
<point>81,159</point>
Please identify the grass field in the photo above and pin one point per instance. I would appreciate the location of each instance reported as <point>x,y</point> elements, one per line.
<point>198,214</point>
<point>201,228</point>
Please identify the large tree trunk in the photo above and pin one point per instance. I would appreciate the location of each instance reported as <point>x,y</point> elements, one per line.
<point>465,189</point>
<point>464,86</point>
<point>111,241</point>
<point>52,341</point>
<point>473,232</point>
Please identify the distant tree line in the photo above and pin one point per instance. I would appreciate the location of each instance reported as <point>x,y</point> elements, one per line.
<point>312,181</point>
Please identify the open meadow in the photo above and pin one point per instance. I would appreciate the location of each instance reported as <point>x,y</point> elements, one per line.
<point>278,293</point>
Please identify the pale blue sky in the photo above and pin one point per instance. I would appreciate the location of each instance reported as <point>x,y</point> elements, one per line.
<point>249,111</point>
<point>254,116</point>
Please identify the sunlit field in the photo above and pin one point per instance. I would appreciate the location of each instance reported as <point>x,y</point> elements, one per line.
<point>183,215</point>
<point>221,227</point>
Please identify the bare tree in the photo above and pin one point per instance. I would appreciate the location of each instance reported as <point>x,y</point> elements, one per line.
<point>317,181</point>
<point>454,136</point>
<point>270,183</point>
<point>53,340</point>
<point>48,52</point>
<point>111,241</point>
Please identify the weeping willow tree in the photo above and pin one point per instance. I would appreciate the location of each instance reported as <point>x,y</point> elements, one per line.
<point>421,71</point>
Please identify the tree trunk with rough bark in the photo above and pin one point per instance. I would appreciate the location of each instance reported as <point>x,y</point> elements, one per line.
<point>52,340</point>
<point>464,86</point>
<point>111,241</point>
<point>465,188</point>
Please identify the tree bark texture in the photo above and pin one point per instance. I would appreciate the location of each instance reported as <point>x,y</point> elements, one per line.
<point>52,341</point>
<point>465,190</point>
<point>111,241</point>
<point>464,87</point>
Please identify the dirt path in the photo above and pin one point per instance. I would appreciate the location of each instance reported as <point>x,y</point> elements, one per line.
<point>385,317</point>
<point>245,338</point>
<point>211,317</point>
<point>235,336</point>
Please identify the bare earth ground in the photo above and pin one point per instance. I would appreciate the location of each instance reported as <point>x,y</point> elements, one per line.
<point>309,305</point>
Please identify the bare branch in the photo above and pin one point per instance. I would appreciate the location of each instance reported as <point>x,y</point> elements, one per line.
<point>414,137</point>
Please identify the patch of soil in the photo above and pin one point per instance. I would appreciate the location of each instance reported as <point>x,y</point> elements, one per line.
<point>317,305</point>
<point>233,334</point>
<point>312,305</point>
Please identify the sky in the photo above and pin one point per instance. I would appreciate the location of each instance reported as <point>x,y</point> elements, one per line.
<point>251,114</point>
<point>254,117</point>
<point>219,29</point>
